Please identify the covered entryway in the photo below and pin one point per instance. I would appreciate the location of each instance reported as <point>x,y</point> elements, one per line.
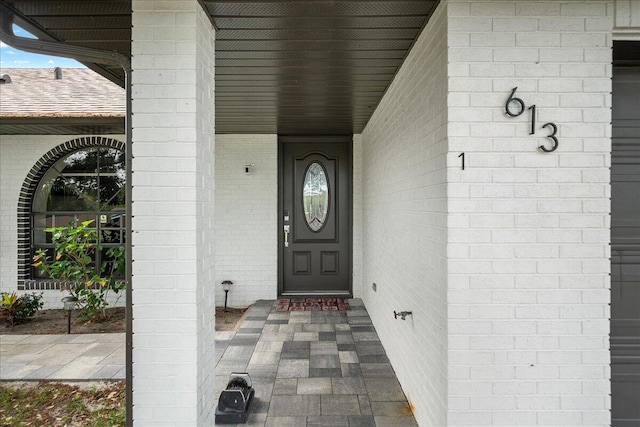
<point>315,215</point>
<point>499,250</point>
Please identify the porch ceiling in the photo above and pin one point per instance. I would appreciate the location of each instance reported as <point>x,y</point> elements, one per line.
<point>288,67</point>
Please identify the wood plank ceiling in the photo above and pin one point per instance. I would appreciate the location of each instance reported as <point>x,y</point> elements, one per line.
<point>288,67</point>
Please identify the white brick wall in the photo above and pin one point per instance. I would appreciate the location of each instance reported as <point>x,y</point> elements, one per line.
<point>529,231</point>
<point>357,217</point>
<point>404,221</point>
<point>173,224</point>
<point>246,218</point>
<point>18,154</point>
<point>627,19</point>
<point>205,225</point>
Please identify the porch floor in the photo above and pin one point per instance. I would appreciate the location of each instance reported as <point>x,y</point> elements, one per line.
<point>313,368</point>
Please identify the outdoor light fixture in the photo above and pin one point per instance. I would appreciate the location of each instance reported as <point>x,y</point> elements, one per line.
<point>234,402</point>
<point>69,304</point>
<point>226,285</point>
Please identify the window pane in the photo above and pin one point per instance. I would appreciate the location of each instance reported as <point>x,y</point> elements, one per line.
<point>63,220</point>
<point>112,193</point>
<point>73,193</point>
<point>112,162</point>
<point>42,194</point>
<point>109,266</point>
<point>40,222</point>
<point>315,196</point>
<point>83,161</point>
<point>34,271</point>
<point>82,217</point>
<point>110,235</point>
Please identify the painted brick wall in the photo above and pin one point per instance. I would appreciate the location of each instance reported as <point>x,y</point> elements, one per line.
<point>529,231</point>
<point>357,216</point>
<point>627,19</point>
<point>205,222</point>
<point>18,154</point>
<point>404,222</point>
<point>246,218</point>
<point>173,171</point>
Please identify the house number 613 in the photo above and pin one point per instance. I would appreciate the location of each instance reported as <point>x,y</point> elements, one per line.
<point>515,106</point>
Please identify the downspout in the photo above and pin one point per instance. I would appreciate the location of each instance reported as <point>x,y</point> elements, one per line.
<point>85,54</point>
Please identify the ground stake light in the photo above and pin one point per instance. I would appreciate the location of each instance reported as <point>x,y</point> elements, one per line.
<point>69,304</point>
<point>226,286</point>
<point>234,402</point>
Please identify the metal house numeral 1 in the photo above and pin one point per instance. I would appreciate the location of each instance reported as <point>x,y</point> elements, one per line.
<point>515,106</point>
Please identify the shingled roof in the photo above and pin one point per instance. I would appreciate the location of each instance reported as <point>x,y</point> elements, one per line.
<point>35,92</point>
<point>34,101</point>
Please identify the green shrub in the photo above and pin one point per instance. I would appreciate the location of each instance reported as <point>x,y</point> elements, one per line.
<point>72,266</point>
<point>19,308</point>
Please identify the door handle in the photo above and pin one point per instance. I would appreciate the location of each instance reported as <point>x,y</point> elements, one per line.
<point>287,229</point>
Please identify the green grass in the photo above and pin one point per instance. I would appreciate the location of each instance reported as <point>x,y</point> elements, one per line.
<point>59,404</point>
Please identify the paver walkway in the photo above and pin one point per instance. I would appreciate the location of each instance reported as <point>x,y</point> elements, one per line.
<point>313,368</point>
<point>309,368</point>
<point>62,357</point>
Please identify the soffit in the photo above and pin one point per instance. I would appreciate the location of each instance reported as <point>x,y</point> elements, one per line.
<point>290,67</point>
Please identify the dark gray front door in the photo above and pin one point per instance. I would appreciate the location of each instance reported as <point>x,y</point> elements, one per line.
<point>625,249</point>
<point>315,216</point>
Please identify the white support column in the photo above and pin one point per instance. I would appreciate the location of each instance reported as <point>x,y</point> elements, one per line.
<point>173,214</point>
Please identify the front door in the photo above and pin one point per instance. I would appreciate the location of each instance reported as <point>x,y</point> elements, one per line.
<point>625,248</point>
<point>315,216</point>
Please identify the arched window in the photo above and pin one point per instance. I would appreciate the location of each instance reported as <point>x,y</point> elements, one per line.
<point>87,184</point>
<point>78,183</point>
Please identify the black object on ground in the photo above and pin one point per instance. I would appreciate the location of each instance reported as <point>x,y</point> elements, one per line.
<point>235,400</point>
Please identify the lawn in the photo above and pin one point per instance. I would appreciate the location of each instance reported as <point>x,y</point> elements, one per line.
<point>61,404</point>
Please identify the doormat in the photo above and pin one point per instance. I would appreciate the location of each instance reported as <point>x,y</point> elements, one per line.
<point>312,304</point>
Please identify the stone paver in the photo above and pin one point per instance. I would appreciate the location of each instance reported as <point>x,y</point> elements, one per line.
<point>62,357</point>
<point>313,369</point>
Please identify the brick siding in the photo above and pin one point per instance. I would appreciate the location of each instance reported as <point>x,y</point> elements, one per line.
<point>529,231</point>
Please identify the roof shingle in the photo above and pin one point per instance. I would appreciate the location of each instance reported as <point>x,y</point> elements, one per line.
<point>35,93</point>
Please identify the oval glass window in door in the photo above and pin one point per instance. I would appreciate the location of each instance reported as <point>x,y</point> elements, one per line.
<point>315,193</point>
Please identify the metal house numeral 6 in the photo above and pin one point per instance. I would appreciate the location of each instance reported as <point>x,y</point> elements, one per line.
<point>515,106</point>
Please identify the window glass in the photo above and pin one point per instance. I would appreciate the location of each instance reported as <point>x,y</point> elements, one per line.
<point>88,184</point>
<point>315,196</point>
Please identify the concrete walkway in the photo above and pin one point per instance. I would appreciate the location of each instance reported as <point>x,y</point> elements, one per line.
<point>62,357</point>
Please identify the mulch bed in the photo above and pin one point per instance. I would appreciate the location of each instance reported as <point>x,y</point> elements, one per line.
<point>312,304</point>
<point>53,321</point>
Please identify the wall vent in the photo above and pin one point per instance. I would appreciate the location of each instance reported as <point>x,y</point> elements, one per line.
<point>6,78</point>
